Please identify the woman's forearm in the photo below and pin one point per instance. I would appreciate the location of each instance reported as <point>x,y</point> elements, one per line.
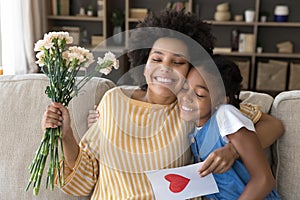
<point>71,148</point>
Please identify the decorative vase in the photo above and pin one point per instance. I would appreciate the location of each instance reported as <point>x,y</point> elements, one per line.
<point>249,15</point>
<point>117,35</point>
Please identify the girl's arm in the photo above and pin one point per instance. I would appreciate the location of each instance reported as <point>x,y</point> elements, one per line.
<point>268,130</point>
<point>249,148</point>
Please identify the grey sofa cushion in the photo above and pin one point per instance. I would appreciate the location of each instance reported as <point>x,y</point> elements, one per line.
<point>263,100</point>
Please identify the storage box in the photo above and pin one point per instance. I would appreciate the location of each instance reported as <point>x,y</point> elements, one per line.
<point>294,83</point>
<point>97,39</point>
<point>244,66</point>
<point>138,12</point>
<point>271,76</point>
<point>73,32</point>
<point>285,47</point>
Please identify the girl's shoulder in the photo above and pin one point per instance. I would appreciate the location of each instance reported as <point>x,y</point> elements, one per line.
<point>225,109</point>
<point>230,120</point>
<point>229,115</point>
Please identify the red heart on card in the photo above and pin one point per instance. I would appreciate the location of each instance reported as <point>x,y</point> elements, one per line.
<point>177,182</point>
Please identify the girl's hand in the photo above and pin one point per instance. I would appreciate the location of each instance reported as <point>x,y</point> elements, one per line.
<point>93,116</point>
<point>219,161</point>
<point>56,115</point>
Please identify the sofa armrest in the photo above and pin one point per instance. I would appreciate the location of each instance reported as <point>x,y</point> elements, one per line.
<point>22,104</point>
<point>286,107</point>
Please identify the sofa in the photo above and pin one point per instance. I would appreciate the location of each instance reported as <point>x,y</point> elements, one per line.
<point>23,102</point>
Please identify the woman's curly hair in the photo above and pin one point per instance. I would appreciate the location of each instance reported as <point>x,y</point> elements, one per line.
<point>186,23</point>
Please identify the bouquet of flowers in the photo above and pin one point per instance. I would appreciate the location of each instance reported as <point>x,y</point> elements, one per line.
<point>61,63</point>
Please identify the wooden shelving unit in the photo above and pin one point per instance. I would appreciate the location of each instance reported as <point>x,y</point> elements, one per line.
<point>148,4</point>
<point>269,33</point>
<point>94,24</point>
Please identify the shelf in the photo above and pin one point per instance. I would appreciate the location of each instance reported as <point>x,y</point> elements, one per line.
<point>262,55</point>
<point>134,19</point>
<point>104,48</point>
<point>278,55</point>
<point>75,18</point>
<point>242,23</point>
<point>279,24</point>
<point>235,53</point>
<point>230,23</point>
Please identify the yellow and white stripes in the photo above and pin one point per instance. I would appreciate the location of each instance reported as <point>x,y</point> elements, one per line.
<point>251,111</point>
<point>129,138</point>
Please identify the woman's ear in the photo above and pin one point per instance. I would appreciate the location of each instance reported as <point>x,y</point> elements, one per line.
<point>227,99</point>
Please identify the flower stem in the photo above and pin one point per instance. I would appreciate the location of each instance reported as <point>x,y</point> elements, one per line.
<point>48,143</point>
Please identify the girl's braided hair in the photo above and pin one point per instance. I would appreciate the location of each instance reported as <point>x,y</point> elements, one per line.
<point>232,78</point>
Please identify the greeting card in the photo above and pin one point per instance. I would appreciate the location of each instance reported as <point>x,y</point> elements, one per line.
<point>181,183</point>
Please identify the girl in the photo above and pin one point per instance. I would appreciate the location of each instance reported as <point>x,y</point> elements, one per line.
<point>218,121</point>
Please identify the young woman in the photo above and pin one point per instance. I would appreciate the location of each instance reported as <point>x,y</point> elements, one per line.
<point>138,129</point>
<point>218,122</point>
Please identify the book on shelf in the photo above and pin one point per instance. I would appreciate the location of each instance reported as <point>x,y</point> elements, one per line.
<point>178,4</point>
<point>138,12</point>
<point>246,43</point>
<point>64,7</point>
<point>53,7</point>
<point>74,32</point>
<point>217,50</point>
<point>60,7</point>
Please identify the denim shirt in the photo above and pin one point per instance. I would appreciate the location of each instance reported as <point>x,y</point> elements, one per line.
<point>231,183</point>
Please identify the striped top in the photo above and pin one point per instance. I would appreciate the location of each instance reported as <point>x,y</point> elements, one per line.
<point>129,138</point>
<point>251,111</point>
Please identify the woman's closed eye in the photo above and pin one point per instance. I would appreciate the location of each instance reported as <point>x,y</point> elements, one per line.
<point>156,60</point>
<point>175,62</point>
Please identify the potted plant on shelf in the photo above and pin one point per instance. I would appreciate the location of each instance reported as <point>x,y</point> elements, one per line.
<point>117,19</point>
<point>263,16</point>
<point>259,48</point>
<point>90,10</point>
